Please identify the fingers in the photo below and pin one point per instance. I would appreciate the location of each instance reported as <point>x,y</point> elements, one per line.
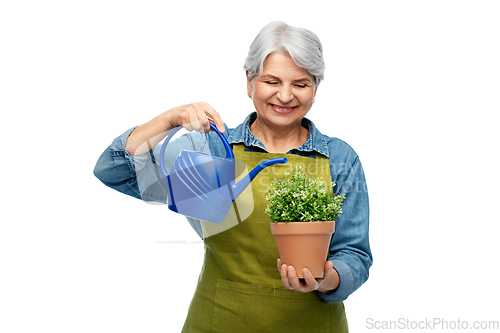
<point>284,275</point>
<point>328,268</point>
<point>202,118</point>
<point>197,116</point>
<point>309,283</point>
<point>294,280</point>
<point>215,118</point>
<point>291,281</point>
<point>330,280</point>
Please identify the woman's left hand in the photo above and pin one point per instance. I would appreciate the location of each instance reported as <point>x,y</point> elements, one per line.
<point>328,283</point>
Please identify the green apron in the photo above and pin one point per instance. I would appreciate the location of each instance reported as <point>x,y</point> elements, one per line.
<point>240,289</point>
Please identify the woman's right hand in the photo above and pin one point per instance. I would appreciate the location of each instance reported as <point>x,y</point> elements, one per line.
<point>193,117</point>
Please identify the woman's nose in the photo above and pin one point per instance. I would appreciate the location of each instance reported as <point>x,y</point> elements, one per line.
<point>285,94</point>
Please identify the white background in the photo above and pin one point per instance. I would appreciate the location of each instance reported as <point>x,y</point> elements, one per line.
<point>412,86</point>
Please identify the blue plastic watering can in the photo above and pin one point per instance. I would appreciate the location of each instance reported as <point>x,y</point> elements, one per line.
<point>202,186</point>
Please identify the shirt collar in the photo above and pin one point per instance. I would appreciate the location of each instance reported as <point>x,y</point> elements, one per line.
<point>315,140</point>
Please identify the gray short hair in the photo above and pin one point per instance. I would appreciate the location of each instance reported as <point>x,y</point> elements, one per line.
<point>303,45</point>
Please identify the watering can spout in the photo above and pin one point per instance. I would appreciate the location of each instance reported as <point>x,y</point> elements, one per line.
<point>238,188</point>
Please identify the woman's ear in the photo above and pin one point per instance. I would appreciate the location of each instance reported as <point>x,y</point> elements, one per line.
<point>249,86</point>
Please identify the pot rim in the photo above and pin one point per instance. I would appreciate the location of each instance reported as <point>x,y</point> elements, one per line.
<point>294,228</point>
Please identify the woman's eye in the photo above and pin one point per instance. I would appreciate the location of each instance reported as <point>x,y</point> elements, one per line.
<point>271,82</point>
<point>300,85</point>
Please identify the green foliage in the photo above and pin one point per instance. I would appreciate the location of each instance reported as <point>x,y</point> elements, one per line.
<point>299,198</point>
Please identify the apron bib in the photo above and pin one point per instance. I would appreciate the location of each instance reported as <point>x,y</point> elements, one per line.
<point>239,288</point>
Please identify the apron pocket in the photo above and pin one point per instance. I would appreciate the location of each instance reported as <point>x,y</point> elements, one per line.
<point>242,307</point>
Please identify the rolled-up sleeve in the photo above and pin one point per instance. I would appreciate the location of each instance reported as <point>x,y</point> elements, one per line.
<point>137,176</point>
<point>350,249</point>
<point>115,167</point>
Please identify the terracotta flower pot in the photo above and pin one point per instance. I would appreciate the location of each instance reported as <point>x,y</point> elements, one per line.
<point>304,244</point>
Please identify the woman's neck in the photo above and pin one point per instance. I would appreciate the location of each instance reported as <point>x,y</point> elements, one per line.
<point>279,139</point>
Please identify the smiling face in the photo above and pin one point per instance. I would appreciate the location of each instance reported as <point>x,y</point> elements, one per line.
<point>284,93</point>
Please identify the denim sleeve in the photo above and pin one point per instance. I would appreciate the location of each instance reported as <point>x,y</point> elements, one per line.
<point>349,249</point>
<point>115,168</point>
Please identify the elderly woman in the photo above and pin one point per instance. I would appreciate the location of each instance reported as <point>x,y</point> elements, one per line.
<point>243,287</point>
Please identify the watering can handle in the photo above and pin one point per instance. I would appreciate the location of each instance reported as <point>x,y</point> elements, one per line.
<point>229,151</point>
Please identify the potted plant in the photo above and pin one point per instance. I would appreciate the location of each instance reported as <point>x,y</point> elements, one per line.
<point>303,215</point>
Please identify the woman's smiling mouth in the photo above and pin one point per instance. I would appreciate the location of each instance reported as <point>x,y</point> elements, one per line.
<point>282,109</point>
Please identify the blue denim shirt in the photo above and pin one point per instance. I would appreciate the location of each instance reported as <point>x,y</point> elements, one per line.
<point>350,253</point>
